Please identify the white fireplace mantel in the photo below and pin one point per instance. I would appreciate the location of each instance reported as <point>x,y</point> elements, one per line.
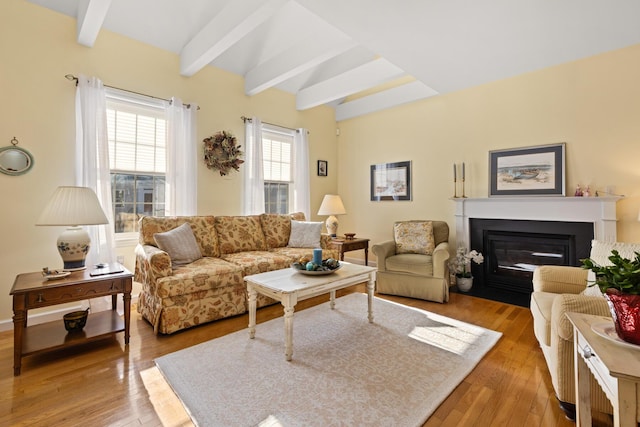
<point>601,211</point>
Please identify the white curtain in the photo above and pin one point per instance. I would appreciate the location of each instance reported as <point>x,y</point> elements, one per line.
<point>181,176</point>
<point>253,185</point>
<point>301,190</point>
<point>92,162</point>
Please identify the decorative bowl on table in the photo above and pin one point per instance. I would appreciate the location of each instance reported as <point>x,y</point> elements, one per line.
<point>310,268</point>
<point>75,321</point>
<point>349,236</point>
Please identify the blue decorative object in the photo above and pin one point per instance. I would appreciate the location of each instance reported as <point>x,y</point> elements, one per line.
<point>317,256</point>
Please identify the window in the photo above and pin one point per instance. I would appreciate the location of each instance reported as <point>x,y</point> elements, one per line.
<point>136,128</point>
<point>277,158</point>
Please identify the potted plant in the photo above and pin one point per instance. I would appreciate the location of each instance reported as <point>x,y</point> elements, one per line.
<point>620,284</point>
<point>462,267</point>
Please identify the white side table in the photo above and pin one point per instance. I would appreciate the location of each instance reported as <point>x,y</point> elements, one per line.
<point>615,366</point>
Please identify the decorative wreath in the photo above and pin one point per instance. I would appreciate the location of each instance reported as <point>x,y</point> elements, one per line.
<point>222,153</point>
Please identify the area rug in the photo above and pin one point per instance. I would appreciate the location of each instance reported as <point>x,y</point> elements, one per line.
<point>345,371</point>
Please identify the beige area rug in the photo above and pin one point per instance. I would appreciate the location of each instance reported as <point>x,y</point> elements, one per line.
<point>345,371</point>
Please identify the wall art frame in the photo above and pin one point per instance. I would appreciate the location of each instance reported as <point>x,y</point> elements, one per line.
<point>323,168</point>
<point>528,171</point>
<point>391,181</point>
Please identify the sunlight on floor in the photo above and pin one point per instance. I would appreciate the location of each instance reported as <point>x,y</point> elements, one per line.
<point>270,421</point>
<point>165,402</point>
<point>446,337</point>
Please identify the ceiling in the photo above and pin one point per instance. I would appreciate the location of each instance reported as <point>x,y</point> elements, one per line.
<point>361,56</point>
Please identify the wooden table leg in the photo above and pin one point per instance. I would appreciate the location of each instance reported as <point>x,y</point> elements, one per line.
<point>126,300</point>
<point>370,288</point>
<point>19,324</point>
<point>288,301</point>
<point>332,299</point>
<point>252,310</point>
<point>583,386</point>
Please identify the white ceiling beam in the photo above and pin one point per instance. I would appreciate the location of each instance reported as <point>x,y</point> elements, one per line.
<point>91,14</point>
<point>355,80</point>
<point>389,98</point>
<point>294,61</point>
<point>236,20</point>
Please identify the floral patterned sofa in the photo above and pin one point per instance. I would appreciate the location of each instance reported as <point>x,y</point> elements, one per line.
<point>176,297</point>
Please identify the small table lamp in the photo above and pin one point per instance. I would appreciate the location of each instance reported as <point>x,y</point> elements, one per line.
<point>332,205</point>
<point>73,206</point>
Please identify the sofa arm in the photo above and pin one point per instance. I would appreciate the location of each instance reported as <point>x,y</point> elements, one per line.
<point>325,241</point>
<point>382,251</point>
<point>151,264</point>
<point>440,257</point>
<point>559,279</point>
<point>565,303</point>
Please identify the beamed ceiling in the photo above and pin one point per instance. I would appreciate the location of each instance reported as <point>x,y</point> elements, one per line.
<point>361,56</point>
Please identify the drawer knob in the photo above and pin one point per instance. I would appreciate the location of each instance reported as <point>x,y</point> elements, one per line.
<point>587,353</point>
<point>40,297</point>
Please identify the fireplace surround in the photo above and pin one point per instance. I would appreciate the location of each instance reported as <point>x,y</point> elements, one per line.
<point>517,233</point>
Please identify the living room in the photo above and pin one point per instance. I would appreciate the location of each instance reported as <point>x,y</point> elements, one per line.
<point>592,104</point>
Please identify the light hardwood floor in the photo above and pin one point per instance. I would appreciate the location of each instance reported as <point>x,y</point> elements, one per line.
<point>105,383</point>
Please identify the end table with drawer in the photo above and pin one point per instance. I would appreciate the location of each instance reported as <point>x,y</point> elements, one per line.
<point>346,245</point>
<point>32,290</point>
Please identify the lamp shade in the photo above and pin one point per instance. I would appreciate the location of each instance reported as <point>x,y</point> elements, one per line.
<point>73,206</point>
<point>331,205</point>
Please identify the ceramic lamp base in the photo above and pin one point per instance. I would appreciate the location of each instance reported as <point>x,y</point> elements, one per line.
<point>332,225</point>
<point>73,246</point>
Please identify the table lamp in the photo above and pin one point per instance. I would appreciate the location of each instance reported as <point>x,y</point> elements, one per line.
<point>73,207</point>
<point>332,205</point>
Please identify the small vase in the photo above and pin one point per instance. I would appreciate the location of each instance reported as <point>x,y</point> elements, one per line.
<point>464,283</point>
<point>625,310</point>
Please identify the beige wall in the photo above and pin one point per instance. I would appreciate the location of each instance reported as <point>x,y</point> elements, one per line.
<point>38,48</point>
<point>593,105</point>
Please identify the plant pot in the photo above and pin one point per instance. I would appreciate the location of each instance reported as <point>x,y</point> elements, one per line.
<point>625,310</point>
<point>464,283</point>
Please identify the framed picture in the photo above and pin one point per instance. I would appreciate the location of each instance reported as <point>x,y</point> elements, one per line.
<point>322,167</point>
<point>391,181</point>
<point>528,171</point>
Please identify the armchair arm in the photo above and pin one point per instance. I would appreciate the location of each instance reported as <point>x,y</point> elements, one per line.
<point>559,279</point>
<point>578,304</point>
<point>440,257</point>
<point>382,251</point>
<point>151,264</point>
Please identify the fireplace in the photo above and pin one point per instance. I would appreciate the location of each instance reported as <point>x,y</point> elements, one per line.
<point>513,249</point>
<point>517,233</point>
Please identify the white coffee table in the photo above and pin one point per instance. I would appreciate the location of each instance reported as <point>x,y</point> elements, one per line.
<point>289,287</point>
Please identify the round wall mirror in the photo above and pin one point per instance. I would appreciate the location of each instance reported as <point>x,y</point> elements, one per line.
<point>15,160</point>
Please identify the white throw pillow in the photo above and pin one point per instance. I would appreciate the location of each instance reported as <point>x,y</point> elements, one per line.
<point>305,234</point>
<point>180,244</point>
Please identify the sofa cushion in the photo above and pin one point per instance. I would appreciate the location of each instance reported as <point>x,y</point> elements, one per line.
<point>203,228</point>
<point>240,234</point>
<point>414,237</point>
<point>255,262</point>
<point>294,254</point>
<point>541,304</point>
<point>180,244</point>
<point>305,234</point>
<point>202,275</point>
<point>421,265</point>
<point>276,228</point>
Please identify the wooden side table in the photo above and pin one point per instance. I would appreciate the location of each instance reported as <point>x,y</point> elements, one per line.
<point>616,367</point>
<point>32,290</point>
<point>345,245</point>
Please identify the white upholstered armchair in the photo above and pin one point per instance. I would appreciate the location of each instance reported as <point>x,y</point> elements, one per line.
<point>414,264</point>
<point>556,291</point>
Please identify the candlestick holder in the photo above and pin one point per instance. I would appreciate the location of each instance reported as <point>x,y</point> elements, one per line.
<point>455,188</point>
<point>463,196</point>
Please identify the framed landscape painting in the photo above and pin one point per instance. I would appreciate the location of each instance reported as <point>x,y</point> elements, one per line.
<point>391,181</point>
<point>528,171</point>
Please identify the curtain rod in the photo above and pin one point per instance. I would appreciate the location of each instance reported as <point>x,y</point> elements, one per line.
<point>73,78</point>
<point>248,119</point>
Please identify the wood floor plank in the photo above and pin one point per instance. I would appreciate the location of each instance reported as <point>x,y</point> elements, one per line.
<point>108,384</point>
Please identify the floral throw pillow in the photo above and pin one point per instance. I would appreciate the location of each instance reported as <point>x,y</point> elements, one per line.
<point>180,244</point>
<point>414,237</point>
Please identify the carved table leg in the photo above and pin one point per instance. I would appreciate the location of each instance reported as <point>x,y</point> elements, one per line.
<point>332,299</point>
<point>370,287</point>
<point>252,310</point>
<point>289,301</point>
